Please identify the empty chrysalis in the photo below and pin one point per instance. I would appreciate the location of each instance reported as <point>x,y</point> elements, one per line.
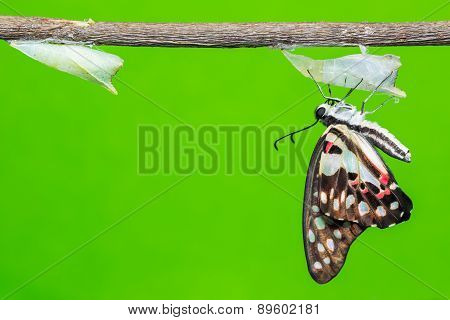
<point>347,71</point>
<point>81,61</point>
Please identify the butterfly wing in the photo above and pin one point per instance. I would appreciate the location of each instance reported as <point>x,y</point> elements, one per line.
<point>326,240</point>
<point>340,188</point>
<point>356,185</point>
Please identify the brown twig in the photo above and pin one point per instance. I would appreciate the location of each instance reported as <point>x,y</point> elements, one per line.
<point>227,35</point>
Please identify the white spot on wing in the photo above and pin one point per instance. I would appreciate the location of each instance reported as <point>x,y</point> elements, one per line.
<point>320,247</point>
<point>326,260</point>
<point>323,197</point>
<point>394,205</point>
<point>311,236</point>
<point>330,244</point>
<point>363,208</point>
<point>336,205</point>
<point>330,163</point>
<point>337,234</point>
<point>381,212</point>
<point>317,265</point>
<point>320,223</point>
<point>350,201</point>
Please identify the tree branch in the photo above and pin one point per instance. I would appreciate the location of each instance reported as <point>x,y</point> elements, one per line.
<point>227,35</point>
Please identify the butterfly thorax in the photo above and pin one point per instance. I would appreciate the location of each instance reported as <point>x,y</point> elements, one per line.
<point>346,114</point>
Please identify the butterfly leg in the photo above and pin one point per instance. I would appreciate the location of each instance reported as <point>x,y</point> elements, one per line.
<point>382,104</point>
<point>319,87</point>
<point>373,92</point>
<point>352,89</point>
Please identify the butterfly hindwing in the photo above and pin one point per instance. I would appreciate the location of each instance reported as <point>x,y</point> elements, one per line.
<point>348,189</point>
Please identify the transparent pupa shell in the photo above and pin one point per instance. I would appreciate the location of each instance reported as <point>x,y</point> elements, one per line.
<point>347,71</point>
<point>81,61</point>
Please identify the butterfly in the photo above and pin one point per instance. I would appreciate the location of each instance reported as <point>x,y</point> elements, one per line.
<point>349,188</point>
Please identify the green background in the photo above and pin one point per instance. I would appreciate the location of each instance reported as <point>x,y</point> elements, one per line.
<point>68,167</point>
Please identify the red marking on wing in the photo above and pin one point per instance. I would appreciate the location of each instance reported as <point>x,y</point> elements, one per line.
<point>384,179</point>
<point>328,147</point>
<point>354,182</point>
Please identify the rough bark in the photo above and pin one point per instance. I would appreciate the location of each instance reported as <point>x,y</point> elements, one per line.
<point>227,35</point>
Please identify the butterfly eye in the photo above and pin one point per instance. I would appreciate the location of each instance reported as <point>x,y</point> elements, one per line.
<point>331,102</point>
<point>320,112</point>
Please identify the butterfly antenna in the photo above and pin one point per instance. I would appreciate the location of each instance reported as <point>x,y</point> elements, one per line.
<point>291,135</point>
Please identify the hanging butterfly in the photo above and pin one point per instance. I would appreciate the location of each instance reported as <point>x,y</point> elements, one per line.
<point>348,186</point>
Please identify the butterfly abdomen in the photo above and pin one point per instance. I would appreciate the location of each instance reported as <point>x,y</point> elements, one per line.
<point>349,116</point>
<point>383,139</point>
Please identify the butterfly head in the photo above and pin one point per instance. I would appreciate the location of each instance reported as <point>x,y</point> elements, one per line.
<point>323,110</point>
<point>334,110</point>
